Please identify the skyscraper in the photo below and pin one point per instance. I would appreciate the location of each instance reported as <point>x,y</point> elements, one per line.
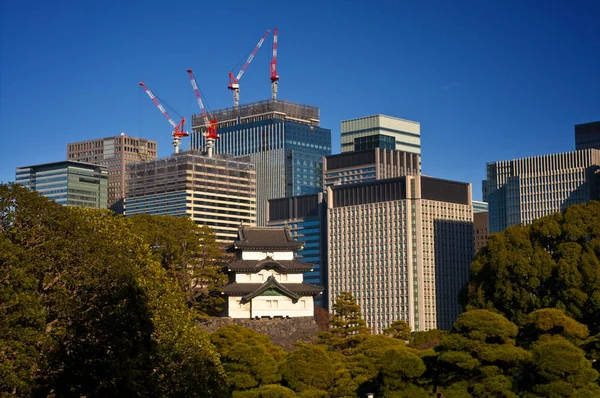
<point>218,192</point>
<point>304,216</point>
<point>522,190</point>
<point>284,142</point>
<point>115,153</point>
<point>380,131</point>
<point>67,183</point>
<point>403,247</point>
<point>587,135</point>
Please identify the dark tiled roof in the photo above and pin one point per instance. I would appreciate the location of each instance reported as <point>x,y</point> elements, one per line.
<point>283,266</point>
<point>265,238</point>
<point>251,290</point>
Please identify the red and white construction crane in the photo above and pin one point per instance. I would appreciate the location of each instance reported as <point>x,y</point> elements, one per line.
<point>210,126</point>
<point>234,81</point>
<point>178,129</point>
<point>274,75</point>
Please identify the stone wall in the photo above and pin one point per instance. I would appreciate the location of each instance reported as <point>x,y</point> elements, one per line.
<point>282,332</point>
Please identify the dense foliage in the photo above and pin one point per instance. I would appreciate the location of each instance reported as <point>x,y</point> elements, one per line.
<point>85,310</point>
<point>96,305</point>
<point>552,263</point>
<point>484,355</point>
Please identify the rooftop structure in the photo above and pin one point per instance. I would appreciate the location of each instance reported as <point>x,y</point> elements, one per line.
<point>587,135</point>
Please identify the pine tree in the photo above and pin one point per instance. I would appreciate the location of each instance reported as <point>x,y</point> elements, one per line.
<point>347,319</point>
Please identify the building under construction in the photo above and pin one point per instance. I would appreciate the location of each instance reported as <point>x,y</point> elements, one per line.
<point>283,140</point>
<point>218,191</point>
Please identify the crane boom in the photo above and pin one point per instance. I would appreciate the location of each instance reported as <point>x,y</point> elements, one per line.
<point>198,98</point>
<point>158,104</point>
<point>210,133</point>
<point>178,128</point>
<point>251,56</point>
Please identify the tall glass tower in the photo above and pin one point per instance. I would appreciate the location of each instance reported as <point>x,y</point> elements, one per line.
<point>282,138</point>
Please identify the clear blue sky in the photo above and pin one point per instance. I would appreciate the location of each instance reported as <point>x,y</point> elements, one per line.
<point>486,80</point>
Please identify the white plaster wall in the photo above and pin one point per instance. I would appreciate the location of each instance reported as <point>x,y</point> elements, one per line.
<point>257,256</point>
<point>237,311</point>
<point>271,306</point>
<point>263,275</point>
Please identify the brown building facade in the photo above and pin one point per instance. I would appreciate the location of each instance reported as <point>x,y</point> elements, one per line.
<point>115,153</point>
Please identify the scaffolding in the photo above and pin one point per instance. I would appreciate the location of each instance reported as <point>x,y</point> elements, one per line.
<point>285,109</point>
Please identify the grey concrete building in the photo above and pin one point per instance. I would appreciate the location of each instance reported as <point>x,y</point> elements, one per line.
<point>402,247</point>
<point>522,190</point>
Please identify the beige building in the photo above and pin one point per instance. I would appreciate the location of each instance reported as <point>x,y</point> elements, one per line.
<point>369,165</point>
<point>114,153</point>
<point>402,247</point>
<point>219,192</point>
<point>380,131</point>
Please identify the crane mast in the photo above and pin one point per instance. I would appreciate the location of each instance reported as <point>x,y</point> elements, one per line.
<point>210,131</point>
<point>274,76</point>
<point>234,81</point>
<point>178,128</point>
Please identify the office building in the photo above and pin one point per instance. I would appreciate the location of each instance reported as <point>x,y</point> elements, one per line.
<point>403,247</point>
<point>480,224</point>
<point>218,192</point>
<point>380,131</point>
<point>522,190</point>
<point>67,183</point>
<point>369,165</point>
<point>114,153</point>
<point>304,217</point>
<point>284,142</point>
<point>587,136</point>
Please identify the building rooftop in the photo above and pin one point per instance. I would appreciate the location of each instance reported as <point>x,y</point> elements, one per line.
<point>62,163</point>
<point>283,266</point>
<point>380,115</point>
<point>287,109</point>
<point>265,238</point>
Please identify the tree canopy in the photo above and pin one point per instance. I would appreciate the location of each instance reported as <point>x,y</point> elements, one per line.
<point>86,311</point>
<point>552,263</point>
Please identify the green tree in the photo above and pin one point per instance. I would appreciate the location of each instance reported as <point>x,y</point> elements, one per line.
<point>479,356</point>
<point>552,263</point>
<point>191,256</point>
<point>398,329</point>
<point>347,317</point>
<point>552,322</point>
<point>81,317</point>
<point>400,369</point>
<point>426,339</point>
<point>560,369</point>
<point>249,358</point>
<point>312,371</point>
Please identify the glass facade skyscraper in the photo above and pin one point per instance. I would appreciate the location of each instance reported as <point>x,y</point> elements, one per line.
<point>380,131</point>
<point>67,183</point>
<point>283,140</point>
<point>305,218</point>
